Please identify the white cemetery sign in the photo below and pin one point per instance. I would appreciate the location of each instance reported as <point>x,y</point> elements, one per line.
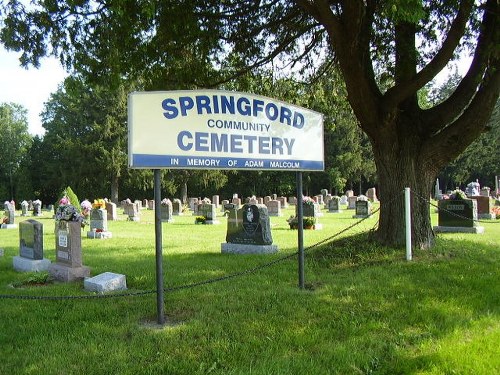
<point>213,129</point>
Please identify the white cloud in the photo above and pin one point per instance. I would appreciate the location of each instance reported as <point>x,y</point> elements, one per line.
<point>29,87</point>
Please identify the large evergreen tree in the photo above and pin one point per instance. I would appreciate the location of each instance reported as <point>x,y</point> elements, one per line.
<point>386,50</point>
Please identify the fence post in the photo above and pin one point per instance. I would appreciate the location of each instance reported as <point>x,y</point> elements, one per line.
<point>408,223</point>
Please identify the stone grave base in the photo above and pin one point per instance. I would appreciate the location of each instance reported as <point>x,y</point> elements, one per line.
<point>212,222</point>
<point>105,282</point>
<point>441,229</point>
<point>236,248</point>
<point>317,226</point>
<point>99,235</point>
<point>9,226</point>
<point>22,264</point>
<point>487,216</point>
<point>65,273</point>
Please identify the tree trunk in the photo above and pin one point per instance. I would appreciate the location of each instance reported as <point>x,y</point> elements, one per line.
<point>114,189</point>
<point>399,167</point>
<point>184,192</point>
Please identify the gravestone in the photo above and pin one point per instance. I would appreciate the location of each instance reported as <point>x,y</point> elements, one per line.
<point>319,199</point>
<point>484,207</point>
<point>351,202</point>
<point>371,193</point>
<point>273,207</point>
<point>177,207</point>
<point>485,191</point>
<point>111,210</point>
<point>193,203</point>
<point>216,201</point>
<point>334,205</point>
<point>249,231</point>
<point>236,201</point>
<point>151,204</point>
<point>438,194</point>
<point>139,204</point>
<point>458,216</point>
<point>24,208</point>
<point>363,209</point>
<point>166,211</point>
<point>68,266</point>
<point>145,203</point>
<point>37,207</point>
<point>267,198</point>
<point>208,211</point>
<point>284,202</point>
<point>30,257</point>
<point>311,209</point>
<point>132,211</point>
<point>223,205</point>
<point>472,189</point>
<point>344,200</point>
<point>349,193</point>
<point>99,224</point>
<point>105,282</point>
<point>9,216</point>
<point>292,201</point>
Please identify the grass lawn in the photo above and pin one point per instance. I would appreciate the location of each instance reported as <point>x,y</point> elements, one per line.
<point>366,310</point>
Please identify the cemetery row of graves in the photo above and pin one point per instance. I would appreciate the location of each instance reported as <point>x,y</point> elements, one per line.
<point>249,229</point>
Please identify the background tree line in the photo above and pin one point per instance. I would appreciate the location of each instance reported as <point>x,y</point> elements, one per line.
<point>85,147</point>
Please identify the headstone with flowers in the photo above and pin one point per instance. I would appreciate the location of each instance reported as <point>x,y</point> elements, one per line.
<point>457,214</point>
<point>9,214</point>
<point>310,212</point>
<point>99,221</point>
<point>69,224</point>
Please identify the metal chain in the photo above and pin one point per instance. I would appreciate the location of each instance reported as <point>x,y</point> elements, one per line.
<point>192,285</point>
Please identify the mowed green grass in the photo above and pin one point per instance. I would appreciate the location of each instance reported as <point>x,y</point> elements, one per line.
<point>365,309</point>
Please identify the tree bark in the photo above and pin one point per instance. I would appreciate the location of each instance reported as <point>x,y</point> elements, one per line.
<point>114,189</point>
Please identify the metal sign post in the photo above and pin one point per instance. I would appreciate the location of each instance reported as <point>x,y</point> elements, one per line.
<point>159,250</point>
<point>300,229</point>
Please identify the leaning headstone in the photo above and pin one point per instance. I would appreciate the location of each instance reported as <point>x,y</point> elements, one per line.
<point>37,207</point>
<point>30,257</point>
<point>458,216</point>
<point>166,211</point>
<point>24,208</point>
<point>8,221</point>
<point>99,224</point>
<point>105,282</point>
<point>249,231</point>
<point>68,266</point>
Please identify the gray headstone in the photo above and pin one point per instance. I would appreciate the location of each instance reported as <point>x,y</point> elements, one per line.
<point>31,239</point>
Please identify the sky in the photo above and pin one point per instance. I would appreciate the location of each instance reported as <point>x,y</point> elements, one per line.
<point>29,87</point>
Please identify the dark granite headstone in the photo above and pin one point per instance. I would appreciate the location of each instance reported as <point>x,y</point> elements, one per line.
<point>457,213</point>
<point>250,225</point>
<point>31,239</point>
